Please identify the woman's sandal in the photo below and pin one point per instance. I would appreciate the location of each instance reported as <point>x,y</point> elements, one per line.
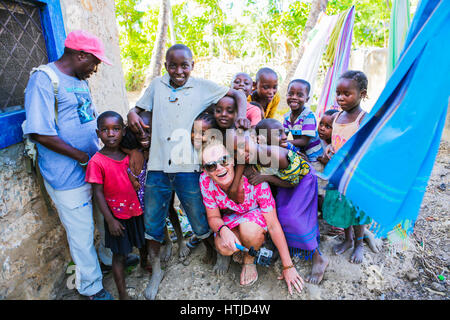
<point>254,280</point>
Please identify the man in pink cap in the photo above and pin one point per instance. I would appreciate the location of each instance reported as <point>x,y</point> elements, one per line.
<point>62,123</point>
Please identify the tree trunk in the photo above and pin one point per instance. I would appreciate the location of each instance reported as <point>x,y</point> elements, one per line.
<point>316,7</point>
<point>159,48</point>
<point>173,36</point>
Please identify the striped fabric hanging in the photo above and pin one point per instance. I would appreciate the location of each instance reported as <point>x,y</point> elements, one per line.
<point>385,166</point>
<point>340,49</point>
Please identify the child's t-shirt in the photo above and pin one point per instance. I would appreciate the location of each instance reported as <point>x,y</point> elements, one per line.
<point>254,114</point>
<point>117,188</point>
<point>271,107</point>
<point>305,125</point>
<point>174,111</point>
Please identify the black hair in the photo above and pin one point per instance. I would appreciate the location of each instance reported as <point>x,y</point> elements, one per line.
<point>230,97</point>
<point>130,140</point>
<point>264,71</point>
<point>209,110</point>
<point>358,76</point>
<point>242,73</point>
<point>330,112</point>
<point>109,114</point>
<point>266,124</point>
<point>304,82</point>
<point>179,46</point>
<point>208,116</point>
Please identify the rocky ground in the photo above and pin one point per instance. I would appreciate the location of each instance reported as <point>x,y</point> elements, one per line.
<point>419,272</point>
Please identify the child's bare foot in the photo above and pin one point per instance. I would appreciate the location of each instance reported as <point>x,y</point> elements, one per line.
<point>211,253</point>
<point>335,231</point>
<point>374,244</point>
<point>183,250</point>
<point>166,251</point>
<point>342,247</point>
<point>249,274</point>
<point>358,254</point>
<point>124,296</point>
<point>209,257</point>
<point>319,264</point>
<point>222,264</point>
<point>152,287</point>
<point>145,265</point>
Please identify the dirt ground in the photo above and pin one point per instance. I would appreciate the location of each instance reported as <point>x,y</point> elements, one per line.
<point>409,274</point>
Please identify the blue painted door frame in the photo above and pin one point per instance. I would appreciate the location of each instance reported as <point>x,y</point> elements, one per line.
<point>54,34</point>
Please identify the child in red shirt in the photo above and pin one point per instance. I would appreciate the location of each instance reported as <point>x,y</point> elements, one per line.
<point>116,198</point>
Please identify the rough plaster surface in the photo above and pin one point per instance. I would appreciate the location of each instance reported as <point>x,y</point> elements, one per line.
<point>33,248</point>
<point>98,17</point>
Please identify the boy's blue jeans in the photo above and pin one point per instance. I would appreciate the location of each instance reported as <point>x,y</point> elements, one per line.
<point>158,191</point>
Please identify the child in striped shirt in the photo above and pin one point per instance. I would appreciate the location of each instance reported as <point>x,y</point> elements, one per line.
<point>301,122</point>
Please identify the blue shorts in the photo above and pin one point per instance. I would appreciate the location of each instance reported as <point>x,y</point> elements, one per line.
<point>158,191</point>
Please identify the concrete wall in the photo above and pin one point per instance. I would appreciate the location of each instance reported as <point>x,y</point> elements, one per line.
<point>98,17</point>
<point>371,61</point>
<point>33,248</point>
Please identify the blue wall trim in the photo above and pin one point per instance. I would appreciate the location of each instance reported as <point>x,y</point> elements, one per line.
<point>53,28</point>
<point>11,123</point>
<point>54,34</point>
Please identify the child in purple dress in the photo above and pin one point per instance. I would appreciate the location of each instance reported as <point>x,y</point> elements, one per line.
<point>296,198</point>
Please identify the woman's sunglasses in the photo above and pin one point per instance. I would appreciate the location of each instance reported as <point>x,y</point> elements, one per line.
<point>212,165</point>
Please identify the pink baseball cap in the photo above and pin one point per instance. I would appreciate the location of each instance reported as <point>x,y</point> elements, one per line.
<point>82,40</point>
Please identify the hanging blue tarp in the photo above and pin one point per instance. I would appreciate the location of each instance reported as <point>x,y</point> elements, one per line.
<point>384,168</point>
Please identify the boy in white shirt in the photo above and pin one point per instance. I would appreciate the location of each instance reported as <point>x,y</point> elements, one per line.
<point>175,100</point>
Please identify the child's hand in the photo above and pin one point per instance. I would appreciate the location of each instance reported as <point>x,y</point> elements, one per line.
<point>136,184</point>
<point>115,228</point>
<point>323,159</point>
<point>304,156</point>
<point>136,123</point>
<point>134,181</point>
<point>257,178</point>
<point>329,151</point>
<point>249,171</point>
<point>243,123</point>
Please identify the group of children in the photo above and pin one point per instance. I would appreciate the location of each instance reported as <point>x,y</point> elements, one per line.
<point>299,194</point>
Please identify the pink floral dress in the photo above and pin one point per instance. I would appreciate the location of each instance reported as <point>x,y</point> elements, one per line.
<point>258,200</point>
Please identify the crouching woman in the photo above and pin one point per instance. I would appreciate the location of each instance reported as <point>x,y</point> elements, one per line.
<point>244,223</point>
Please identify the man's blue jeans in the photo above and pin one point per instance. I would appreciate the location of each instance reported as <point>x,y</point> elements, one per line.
<point>158,191</point>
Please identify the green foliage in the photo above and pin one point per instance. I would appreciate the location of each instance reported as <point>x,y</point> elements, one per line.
<point>274,25</point>
<point>264,29</point>
<point>137,32</point>
<point>371,26</point>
